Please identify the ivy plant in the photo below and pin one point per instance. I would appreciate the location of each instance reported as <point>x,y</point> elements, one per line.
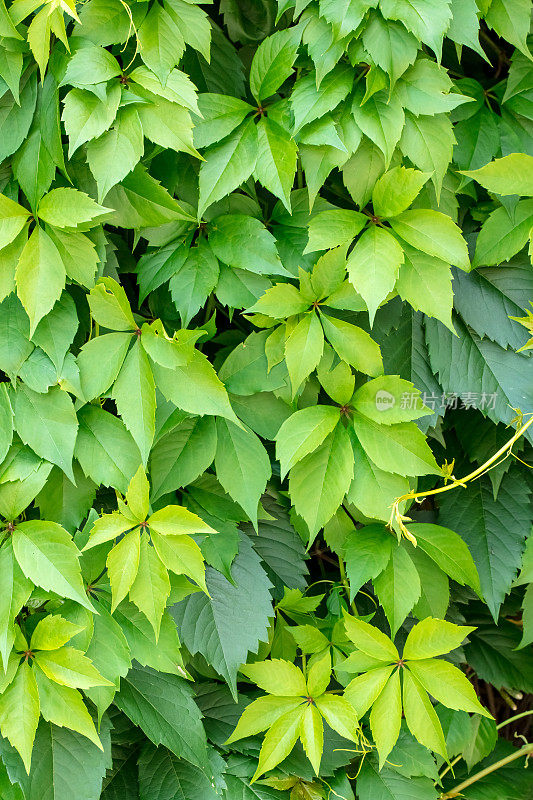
<point>266,399</point>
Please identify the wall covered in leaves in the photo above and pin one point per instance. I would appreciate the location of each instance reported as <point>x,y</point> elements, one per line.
<point>264,298</point>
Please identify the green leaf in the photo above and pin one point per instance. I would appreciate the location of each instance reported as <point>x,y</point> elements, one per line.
<point>319,481</point>
<point>168,125</point>
<point>134,394</point>
<point>428,20</point>
<point>511,21</point>
<point>19,712</point>
<point>353,345</point>
<point>481,520</point>
<point>260,714</point>
<point>160,704</point>
<point>181,555</point>
<point>428,142</point>
<point>56,331</point>
<point>276,159</point>
<point>243,241</point>
<point>161,43</point>
<point>177,521</point>
<point>449,551</point>
<point>161,774</point>
<point>302,433</point>
<point>117,151</point>
<point>312,736</point>
<point>47,422</point>
<point>373,490</point>
<point>47,556</point>
<point>40,276</point>
<point>373,266</point>
<point>242,465</point>
<point>277,677</point>
<point>100,360</point>
<point>367,552</point>
<point>105,449</point>
<point>231,622</point>
<point>273,62</point>
<point>221,114</point>
<point>399,448</point>
<point>181,456</point>
<point>227,165</point>
<point>309,102</point>
<point>389,44</point>
<point>191,285</point>
<point>363,691</point>
<point>388,784</point>
<point>433,233</point>
<point>13,218</point>
<point>389,400</point>
<point>381,119</point>
<point>398,588</point>
<point>87,116</point>
<point>386,717</point>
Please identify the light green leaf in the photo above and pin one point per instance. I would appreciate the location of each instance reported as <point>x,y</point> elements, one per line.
<point>339,715</point>
<point>381,119</point>
<point>47,556</point>
<point>273,62</point>
<point>312,735</point>
<point>277,677</point>
<point>373,266</point>
<point>370,640</point>
<point>333,228</point>
<point>181,555</point>
<point>386,717</point>
<point>447,684</point>
<point>100,360</point>
<point>433,637</point>
<point>87,116</point>
<point>160,41</point>
<point>302,433</point>
<point>420,715</point>
<point>19,712</point>
<point>426,283</point>
<point>390,45</point>
<point>427,19</point>
<point>303,349</point>
<point>433,233</point>
<point>389,400</point>
<point>396,190</point>
<point>399,448</point>
<point>69,667</point>
<point>15,589</point>
<point>53,632</point>
<point>40,276</point>
<point>151,587</point>
<point>319,674</point>
<point>69,208</point>
<point>13,218</point>
<point>279,741</point>
<point>353,345</point>
<point>511,21</point>
<point>281,300</point>
<point>363,691</point>
<point>123,564</point>
<point>177,521</point>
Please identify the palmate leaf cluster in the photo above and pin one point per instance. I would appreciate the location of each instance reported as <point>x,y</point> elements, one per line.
<point>265,270</point>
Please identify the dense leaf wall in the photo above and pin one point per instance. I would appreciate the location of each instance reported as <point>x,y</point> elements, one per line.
<point>264,277</point>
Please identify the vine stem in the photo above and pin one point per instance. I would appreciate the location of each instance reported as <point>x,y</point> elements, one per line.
<point>514,719</point>
<point>456,791</point>
<point>505,450</point>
